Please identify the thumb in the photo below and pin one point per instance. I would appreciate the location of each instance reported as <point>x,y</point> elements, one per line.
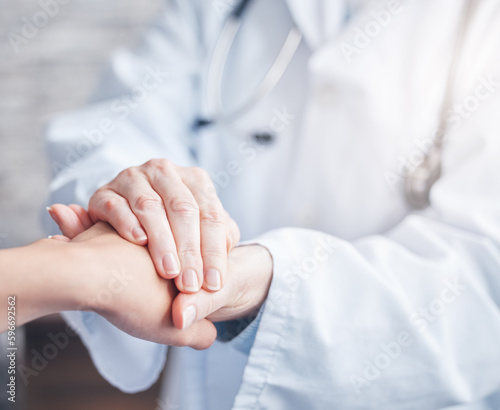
<point>189,308</point>
<point>60,238</point>
<point>201,335</point>
<point>69,222</point>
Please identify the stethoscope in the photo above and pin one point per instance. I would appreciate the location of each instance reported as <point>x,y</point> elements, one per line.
<point>417,185</point>
<point>217,114</point>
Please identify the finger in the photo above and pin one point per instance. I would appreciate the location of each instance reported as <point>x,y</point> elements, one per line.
<point>147,206</point>
<point>212,227</point>
<point>60,238</point>
<point>83,215</point>
<point>199,336</point>
<point>233,233</point>
<point>184,220</point>
<point>68,221</point>
<point>190,308</point>
<point>109,206</point>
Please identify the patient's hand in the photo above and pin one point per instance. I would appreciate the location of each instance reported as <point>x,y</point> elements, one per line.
<point>125,288</point>
<point>250,270</point>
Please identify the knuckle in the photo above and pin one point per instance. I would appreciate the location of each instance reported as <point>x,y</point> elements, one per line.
<point>199,173</point>
<point>190,251</point>
<point>129,173</point>
<point>208,193</point>
<point>183,207</point>
<point>98,194</point>
<point>203,180</point>
<point>110,205</point>
<point>215,255</point>
<point>147,202</point>
<point>161,165</point>
<point>213,215</point>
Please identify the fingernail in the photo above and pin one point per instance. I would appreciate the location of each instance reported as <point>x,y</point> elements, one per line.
<point>190,281</point>
<point>212,279</point>
<point>171,265</point>
<point>52,214</point>
<point>188,316</point>
<point>139,234</point>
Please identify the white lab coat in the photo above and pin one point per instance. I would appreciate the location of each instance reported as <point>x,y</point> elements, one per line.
<point>372,305</point>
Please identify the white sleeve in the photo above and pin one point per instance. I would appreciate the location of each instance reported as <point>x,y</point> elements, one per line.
<point>145,109</point>
<point>405,320</point>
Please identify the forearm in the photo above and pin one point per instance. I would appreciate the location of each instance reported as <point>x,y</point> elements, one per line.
<point>42,277</point>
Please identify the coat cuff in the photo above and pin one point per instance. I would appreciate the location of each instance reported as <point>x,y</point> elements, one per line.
<point>240,334</point>
<point>271,327</point>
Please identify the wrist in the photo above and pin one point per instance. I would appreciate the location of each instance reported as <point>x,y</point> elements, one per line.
<point>68,278</point>
<point>43,278</point>
<point>254,265</point>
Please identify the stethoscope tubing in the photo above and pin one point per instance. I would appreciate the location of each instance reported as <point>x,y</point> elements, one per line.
<point>217,65</point>
<point>418,183</point>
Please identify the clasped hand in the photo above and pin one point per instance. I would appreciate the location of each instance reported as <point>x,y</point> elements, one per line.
<point>176,212</point>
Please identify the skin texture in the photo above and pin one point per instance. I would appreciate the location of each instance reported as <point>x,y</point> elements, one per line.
<point>130,308</point>
<point>176,212</point>
<point>97,271</point>
<point>248,281</point>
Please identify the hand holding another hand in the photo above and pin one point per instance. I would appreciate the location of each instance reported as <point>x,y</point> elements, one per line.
<point>177,213</point>
<point>149,306</point>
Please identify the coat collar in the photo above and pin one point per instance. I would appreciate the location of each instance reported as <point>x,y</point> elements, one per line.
<point>318,20</point>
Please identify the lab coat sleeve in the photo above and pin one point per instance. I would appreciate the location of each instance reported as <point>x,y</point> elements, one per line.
<point>405,320</point>
<point>145,108</point>
<point>240,334</point>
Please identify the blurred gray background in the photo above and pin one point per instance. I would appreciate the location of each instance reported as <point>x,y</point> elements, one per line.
<point>53,71</point>
<point>56,70</point>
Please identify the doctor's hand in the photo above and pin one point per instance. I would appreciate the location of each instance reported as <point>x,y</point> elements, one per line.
<point>177,213</point>
<point>250,271</point>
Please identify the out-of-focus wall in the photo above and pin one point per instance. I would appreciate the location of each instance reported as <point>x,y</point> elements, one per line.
<point>41,73</point>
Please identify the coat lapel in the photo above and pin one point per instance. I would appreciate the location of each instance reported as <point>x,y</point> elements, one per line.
<point>318,20</point>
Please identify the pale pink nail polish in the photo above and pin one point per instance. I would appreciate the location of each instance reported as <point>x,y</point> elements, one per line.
<point>188,316</point>
<point>171,265</point>
<point>213,280</point>
<point>52,215</point>
<point>190,281</point>
<point>139,234</point>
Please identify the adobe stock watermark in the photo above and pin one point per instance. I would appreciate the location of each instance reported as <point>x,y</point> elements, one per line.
<point>392,351</point>
<point>373,28</point>
<point>31,27</point>
<point>300,272</point>
<point>40,360</point>
<point>486,87</point>
<point>120,109</point>
<point>248,150</point>
<point>293,277</point>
